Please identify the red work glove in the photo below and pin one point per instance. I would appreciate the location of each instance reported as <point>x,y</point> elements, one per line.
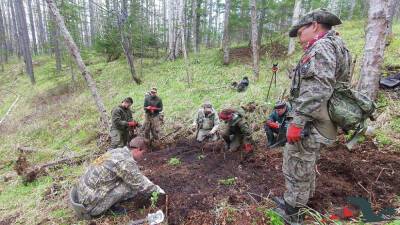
<point>132,124</point>
<point>293,133</point>
<point>273,125</point>
<point>247,148</point>
<point>152,108</point>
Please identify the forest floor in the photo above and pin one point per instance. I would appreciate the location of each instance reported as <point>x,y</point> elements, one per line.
<point>56,118</point>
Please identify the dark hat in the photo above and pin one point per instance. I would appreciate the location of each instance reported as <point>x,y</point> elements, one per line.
<point>319,16</point>
<point>280,105</point>
<point>128,99</point>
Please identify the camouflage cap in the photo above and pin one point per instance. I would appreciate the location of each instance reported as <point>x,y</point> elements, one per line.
<point>139,142</point>
<point>207,104</point>
<point>319,16</point>
<point>280,105</point>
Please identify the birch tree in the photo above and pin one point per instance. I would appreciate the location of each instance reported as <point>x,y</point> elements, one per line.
<point>295,19</point>
<point>375,36</point>
<point>225,41</point>
<point>81,65</point>
<point>254,37</point>
<point>171,31</point>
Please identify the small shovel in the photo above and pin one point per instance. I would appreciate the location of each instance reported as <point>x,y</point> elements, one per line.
<point>151,219</point>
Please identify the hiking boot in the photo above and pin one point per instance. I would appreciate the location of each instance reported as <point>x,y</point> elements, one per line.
<point>118,210</point>
<point>291,215</point>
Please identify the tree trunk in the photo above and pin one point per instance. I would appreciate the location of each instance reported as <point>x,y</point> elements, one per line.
<point>11,35</point>
<point>33,32</point>
<point>41,34</point>
<point>24,37</point>
<point>86,22</point>
<point>81,65</point>
<point>351,10</point>
<point>15,29</point>
<point>393,5</point>
<point>92,22</point>
<point>374,48</point>
<point>55,34</point>
<point>262,22</point>
<point>254,36</point>
<point>210,19</point>
<point>126,40</point>
<point>45,23</point>
<point>183,40</point>
<point>295,19</point>
<point>194,26</point>
<point>3,43</point>
<point>334,7</point>
<point>171,31</point>
<point>165,25</point>
<point>225,42</point>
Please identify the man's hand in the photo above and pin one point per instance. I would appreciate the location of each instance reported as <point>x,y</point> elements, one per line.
<point>152,108</point>
<point>133,124</point>
<point>273,125</point>
<point>293,133</point>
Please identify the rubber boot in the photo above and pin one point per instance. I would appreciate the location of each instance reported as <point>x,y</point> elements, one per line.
<point>118,210</point>
<point>291,215</point>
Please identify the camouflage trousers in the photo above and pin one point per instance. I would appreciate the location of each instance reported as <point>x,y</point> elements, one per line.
<point>299,160</point>
<point>234,140</point>
<point>202,134</point>
<point>152,124</point>
<point>120,193</point>
<point>119,138</point>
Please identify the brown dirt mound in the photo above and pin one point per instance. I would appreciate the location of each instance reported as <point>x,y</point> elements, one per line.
<point>195,190</point>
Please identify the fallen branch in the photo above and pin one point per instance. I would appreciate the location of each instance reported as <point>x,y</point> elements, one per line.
<point>9,110</point>
<point>31,173</point>
<point>26,149</point>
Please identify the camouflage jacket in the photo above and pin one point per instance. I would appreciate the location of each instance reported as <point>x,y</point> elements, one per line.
<point>238,125</point>
<point>153,101</point>
<point>107,172</point>
<point>120,118</point>
<point>323,64</point>
<point>209,122</point>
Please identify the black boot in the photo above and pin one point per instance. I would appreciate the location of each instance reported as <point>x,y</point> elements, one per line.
<point>290,214</point>
<point>118,210</point>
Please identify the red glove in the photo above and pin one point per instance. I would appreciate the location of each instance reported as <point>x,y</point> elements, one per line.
<point>247,148</point>
<point>132,124</point>
<point>293,133</point>
<point>152,108</point>
<point>273,125</point>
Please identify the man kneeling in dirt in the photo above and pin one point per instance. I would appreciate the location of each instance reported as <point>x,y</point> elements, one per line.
<point>121,121</point>
<point>276,125</point>
<point>110,179</point>
<point>206,123</point>
<point>235,131</point>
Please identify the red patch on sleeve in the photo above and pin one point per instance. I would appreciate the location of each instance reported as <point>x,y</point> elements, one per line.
<point>305,59</point>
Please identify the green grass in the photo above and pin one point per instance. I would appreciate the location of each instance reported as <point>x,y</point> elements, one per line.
<point>228,181</point>
<point>52,118</point>
<point>174,161</point>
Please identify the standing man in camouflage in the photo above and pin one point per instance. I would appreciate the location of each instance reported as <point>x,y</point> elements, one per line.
<point>121,121</point>
<point>325,63</point>
<point>236,131</point>
<point>207,123</point>
<point>110,179</point>
<point>153,106</point>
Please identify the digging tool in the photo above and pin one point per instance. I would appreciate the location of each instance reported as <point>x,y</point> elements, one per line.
<point>275,69</point>
<point>151,219</point>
